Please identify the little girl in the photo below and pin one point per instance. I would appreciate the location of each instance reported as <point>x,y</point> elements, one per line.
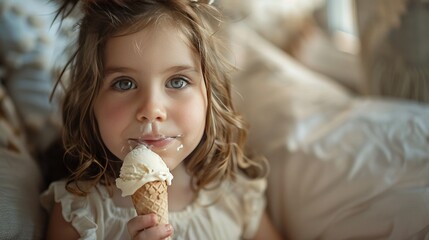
<point>151,71</point>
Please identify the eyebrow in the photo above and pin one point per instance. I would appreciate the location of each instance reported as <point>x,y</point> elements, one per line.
<point>178,68</point>
<point>111,70</point>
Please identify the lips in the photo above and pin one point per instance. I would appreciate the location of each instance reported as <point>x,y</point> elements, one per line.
<point>154,142</point>
<point>158,143</point>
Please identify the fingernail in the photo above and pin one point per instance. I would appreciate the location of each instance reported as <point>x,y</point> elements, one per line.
<point>168,228</point>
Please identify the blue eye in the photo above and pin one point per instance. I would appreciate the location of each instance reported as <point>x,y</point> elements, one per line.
<point>177,83</point>
<point>124,84</point>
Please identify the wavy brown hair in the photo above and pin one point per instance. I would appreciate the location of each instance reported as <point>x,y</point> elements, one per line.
<point>218,156</point>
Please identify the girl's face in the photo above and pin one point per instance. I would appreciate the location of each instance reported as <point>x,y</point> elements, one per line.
<point>153,92</point>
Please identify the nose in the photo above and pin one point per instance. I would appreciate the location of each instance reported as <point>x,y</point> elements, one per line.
<point>152,108</point>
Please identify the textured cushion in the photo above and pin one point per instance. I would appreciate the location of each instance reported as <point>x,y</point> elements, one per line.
<point>20,180</point>
<point>30,48</point>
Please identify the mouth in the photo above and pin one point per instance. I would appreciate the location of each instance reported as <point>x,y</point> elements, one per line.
<point>154,142</point>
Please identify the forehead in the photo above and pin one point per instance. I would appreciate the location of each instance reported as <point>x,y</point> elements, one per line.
<point>165,42</point>
<point>159,22</point>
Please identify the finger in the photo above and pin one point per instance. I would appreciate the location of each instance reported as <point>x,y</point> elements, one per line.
<point>140,223</point>
<point>158,232</point>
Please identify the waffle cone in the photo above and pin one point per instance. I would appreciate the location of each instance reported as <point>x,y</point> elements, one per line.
<point>152,198</point>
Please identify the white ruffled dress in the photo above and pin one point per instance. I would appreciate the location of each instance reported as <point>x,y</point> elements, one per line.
<point>233,211</point>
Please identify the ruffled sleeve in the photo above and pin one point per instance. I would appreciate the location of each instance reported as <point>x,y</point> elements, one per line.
<point>75,209</point>
<point>252,194</point>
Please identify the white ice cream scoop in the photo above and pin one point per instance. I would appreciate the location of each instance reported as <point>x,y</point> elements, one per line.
<point>141,165</point>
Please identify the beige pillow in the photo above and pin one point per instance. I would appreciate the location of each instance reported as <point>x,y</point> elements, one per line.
<point>341,167</point>
<point>362,175</point>
<point>284,103</point>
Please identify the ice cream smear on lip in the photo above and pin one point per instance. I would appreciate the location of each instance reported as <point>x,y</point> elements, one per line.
<point>141,165</point>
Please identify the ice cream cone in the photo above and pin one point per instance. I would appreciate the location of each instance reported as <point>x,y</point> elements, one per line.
<point>152,197</point>
<point>145,176</point>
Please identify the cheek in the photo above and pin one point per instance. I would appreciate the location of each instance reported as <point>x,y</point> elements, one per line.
<point>191,110</point>
<point>194,117</point>
<point>110,114</point>
<point>110,118</point>
<point>192,125</point>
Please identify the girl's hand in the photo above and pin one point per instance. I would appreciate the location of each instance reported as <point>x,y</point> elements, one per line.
<point>145,227</point>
